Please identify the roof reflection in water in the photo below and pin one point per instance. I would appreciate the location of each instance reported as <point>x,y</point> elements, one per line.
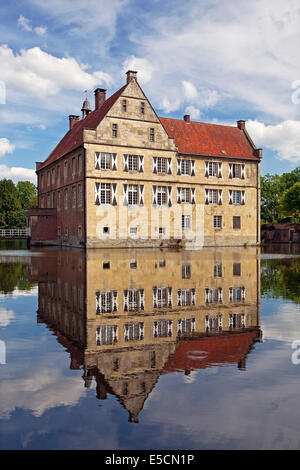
<point>128,316</point>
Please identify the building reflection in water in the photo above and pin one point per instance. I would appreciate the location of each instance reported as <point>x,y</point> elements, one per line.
<point>128,316</point>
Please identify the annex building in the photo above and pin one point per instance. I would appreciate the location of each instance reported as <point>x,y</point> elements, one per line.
<point>122,176</point>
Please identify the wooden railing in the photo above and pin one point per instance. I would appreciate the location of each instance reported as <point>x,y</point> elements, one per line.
<point>14,232</point>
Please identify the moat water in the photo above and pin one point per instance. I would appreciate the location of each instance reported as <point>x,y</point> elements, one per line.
<point>149,349</point>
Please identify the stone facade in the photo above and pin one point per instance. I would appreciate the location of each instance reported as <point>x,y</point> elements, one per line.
<point>127,183</point>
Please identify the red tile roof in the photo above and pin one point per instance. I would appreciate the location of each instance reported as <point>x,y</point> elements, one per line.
<point>209,351</point>
<point>74,137</point>
<point>200,138</point>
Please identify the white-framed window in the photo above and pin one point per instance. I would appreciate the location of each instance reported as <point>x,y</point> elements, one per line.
<point>236,197</point>
<point>236,170</point>
<point>213,295</point>
<point>186,271</point>
<point>185,195</point>
<point>133,304</point>
<point>106,334</point>
<point>105,193</point>
<point>186,326</point>
<point>212,169</point>
<point>105,161</point>
<point>186,222</point>
<point>151,134</point>
<point>162,297</point>
<point>185,167</point>
<point>217,221</point>
<point>115,130</point>
<point>212,196</point>
<point>132,162</point>
<point>134,331</point>
<point>162,165</point>
<point>103,302</point>
<point>132,194</point>
<point>186,297</point>
<point>213,322</point>
<point>161,195</point>
<point>218,270</point>
<point>162,328</point>
<point>237,320</point>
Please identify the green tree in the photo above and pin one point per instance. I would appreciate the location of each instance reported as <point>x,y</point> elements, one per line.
<point>10,205</point>
<point>27,194</point>
<point>270,197</point>
<point>290,201</point>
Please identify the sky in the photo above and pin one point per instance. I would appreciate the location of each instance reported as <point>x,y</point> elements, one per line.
<point>217,61</point>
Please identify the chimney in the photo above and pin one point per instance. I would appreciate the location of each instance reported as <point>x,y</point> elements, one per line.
<point>72,120</point>
<point>241,125</point>
<point>131,75</point>
<point>187,118</point>
<point>100,97</point>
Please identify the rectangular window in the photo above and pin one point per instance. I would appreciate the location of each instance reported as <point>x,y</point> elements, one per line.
<point>162,328</point>
<point>217,221</point>
<point>185,195</point>
<point>236,222</point>
<point>213,322</point>
<point>132,300</point>
<point>66,170</point>
<point>79,231</point>
<point>48,178</point>
<point>115,130</point>
<point>236,269</point>
<point>142,108</point>
<point>236,170</point>
<point>42,181</point>
<point>212,295</point>
<point>53,176</point>
<point>218,270</point>
<point>79,195</point>
<point>185,167</point>
<point>186,297</point>
<point>186,271</point>
<point>53,200</point>
<point>103,302</point>
<point>236,320</point>
<point>124,105</point>
<point>212,169</point>
<point>79,164</point>
<point>132,194</point>
<point>212,196</point>
<point>133,230</point>
<point>105,161</point>
<point>132,162</point>
<point>106,334</point>
<point>161,195</point>
<point>66,199</point>
<point>161,165</point>
<point>58,231</point>
<point>161,230</point>
<point>73,166</point>
<point>58,175</point>
<point>134,331</point>
<point>105,193</point>
<point>151,134</point>
<point>73,196</point>
<point>236,197</point>
<point>161,297</point>
<point>186,222</point>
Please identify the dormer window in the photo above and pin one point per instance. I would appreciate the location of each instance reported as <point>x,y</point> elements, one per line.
<point>124,105</point>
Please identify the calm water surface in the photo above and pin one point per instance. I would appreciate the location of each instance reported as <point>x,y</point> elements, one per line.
<point>149,349</point>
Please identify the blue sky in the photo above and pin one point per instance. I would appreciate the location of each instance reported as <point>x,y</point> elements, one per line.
<point>217,61</point>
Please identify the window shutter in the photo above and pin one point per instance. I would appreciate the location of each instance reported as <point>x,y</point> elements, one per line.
<point>206,295</point>
<point>142,299</point>
<point>141,188</point>
<point>97,160</point>
<point>154,297</point>
<point>125,196</point>
<point>220,322</point>
<point>193,199</point>
<point>192,167</point>
<point>179,297</point>
<point>220,295</point>
<point>169,296</point>
<point>125,299</point>
<point>125,157</point>
<point>169,166</point>
<point>243,293</point>
<point>243,171</point>
<point>126,332</point>
<point>230,196</point>
<point>154,195</point>
<point>206,169</point>
<point>98,310</point>
<point>178,166</point>
<point>154,164</point>
<point>114,162</point>
<point>230,294</point>
<point>169,196</point>
<point>219,170</point>
<point>220,202</point>
<point>170,327</point>
<point>114,194</point>
<point>115,301</point>
<point>230,320</point>
<point>206,196</point>
<point>230,170</point>
<point>115,334</point>
<point>97,194</point>
<point>178,195</point>
<point>242,197</point>
<point>206,322</point>
<point>193,296</point>
<point>141,166</point>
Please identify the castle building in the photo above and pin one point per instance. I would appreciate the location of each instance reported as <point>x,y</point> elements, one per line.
<point>122,176</point>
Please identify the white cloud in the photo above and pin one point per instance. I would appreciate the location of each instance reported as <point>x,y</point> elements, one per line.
<point>24,23</point>
<point>6,316</point>
<point>283,138</point>
<point>140,65</point>
<point>5,147</point>
<point>193,112</point>
<point>42,75</point>
<point>17,174</point>
<point>189,90</point>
